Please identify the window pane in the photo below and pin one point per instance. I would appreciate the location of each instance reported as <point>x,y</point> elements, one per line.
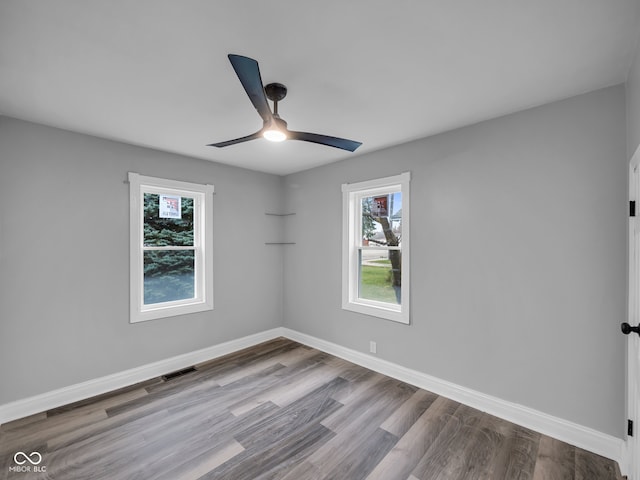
<point>168,276</point>
<point>382,220</point>
<point>168,220</point>
<point>380,275</point>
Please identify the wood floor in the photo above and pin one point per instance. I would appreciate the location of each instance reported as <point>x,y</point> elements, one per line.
<point>282,410</point>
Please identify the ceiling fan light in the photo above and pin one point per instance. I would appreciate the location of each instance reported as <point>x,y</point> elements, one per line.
<point>274,135</point>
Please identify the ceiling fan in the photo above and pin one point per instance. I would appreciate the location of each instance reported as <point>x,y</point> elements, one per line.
<point>274,128</point>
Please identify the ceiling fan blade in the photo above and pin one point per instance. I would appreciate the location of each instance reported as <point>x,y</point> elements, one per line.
<point>249,74</point>
<point>253,136</point>
<point>336,142</point>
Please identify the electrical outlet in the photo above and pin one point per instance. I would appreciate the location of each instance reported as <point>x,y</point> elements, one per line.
<point>373,347</point>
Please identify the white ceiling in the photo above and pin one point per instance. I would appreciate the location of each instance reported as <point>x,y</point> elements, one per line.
<point>155,72</point>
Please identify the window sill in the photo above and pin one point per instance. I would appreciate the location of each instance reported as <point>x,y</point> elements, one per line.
<point>395,315</point>
<point>169,311</point>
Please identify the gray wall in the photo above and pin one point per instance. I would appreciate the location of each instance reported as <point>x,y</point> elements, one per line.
<point>633,105</point>
<point>64,259</point>
<point>518,258</point>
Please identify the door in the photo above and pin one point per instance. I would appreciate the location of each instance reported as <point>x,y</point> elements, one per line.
<point>630,328</point>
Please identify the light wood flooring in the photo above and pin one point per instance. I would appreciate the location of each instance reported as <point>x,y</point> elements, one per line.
<point>282,410</point>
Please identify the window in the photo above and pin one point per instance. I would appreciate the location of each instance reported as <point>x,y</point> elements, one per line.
<point>375,272</point>
<point>171,247</point>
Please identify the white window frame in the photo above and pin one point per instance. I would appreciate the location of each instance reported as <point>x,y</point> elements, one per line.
<point>352,194</point>
<point>203,247</point>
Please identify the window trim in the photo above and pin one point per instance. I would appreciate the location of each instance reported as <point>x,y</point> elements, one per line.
<point>351,232</point>
<point>203,246</point>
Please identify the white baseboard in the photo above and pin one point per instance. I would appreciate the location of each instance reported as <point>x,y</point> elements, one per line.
<point>81,391</point>
<point>566,431</point>
<point>558,428</point>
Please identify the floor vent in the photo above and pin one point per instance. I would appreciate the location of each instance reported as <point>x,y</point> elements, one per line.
<point>179,373</point>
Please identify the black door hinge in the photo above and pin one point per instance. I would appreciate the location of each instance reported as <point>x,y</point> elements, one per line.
<point>630,428</point>
<point>632,208</point>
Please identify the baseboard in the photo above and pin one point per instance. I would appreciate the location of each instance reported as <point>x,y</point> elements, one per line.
<point>572,433</point>
<point>566,431</point>
<point>81,391</point>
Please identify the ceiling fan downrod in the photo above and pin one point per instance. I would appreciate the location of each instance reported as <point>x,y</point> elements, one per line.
<point>275,92</point>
